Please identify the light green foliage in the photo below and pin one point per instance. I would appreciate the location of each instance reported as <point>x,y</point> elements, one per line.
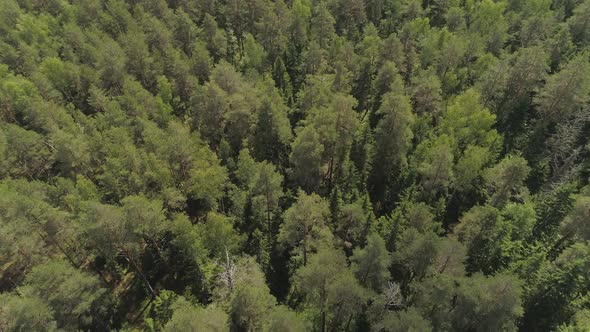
<point>471,167</point>
<point>451,303</point>
<point>416,252</point>
<point>251,302</point>
<point>29,227</point>
<point>576,222</point>
<point>470,123</point>
<point>393,133</point>
<point>283,319</point>
<point>187,317</point>
<point>490,24</point>
<point>435,164</point>
<point>350,223</point>
<point>322,25</point>
<point>403,321</point>
<point>506,180</point>
<point>254,54</point>
<point>345,299</point>
<point>495,238</point>
<point>371,262</point>
<point>558,284</point>
<point>305,224</point>
<point>426,93</point>
<point>306,159</point>
<point>272,134</point>
<point>488,303</point>
<point>71,294</point>
<point>578,23</point>
<point>27,156</point>
<point>330,287</point>
<point>218,235</point>
<point>18,313</point>
<point>259,165</point>
<point>580,322</point>
<point>565,91</point>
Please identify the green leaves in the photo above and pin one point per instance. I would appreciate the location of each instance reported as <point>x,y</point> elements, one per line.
<point>292,165</point>
<point>187,317</point>
<point>70,293</point>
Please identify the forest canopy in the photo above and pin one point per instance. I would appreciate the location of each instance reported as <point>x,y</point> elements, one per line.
<point>295,165</point>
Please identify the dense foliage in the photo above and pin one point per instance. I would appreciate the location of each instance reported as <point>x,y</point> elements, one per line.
<point>298,165</point>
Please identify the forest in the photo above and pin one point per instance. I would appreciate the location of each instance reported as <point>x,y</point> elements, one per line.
<point>295,165</point>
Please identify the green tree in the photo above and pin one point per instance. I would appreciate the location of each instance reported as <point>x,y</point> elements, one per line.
<point>29,313</point>
<point>187,317</point>
<point>403,321</point>
<point>565,91</point>
<point>73,295</point>
<point>268,189</point>
<point>506,180</point>
<point>370,264</point>
<point>251,302</point>
<point>329,287</point>
<point>575,224</point>
<point>306,159</point>
<point>283,319</point>
<point>305,224</point>
<point>272,133</point>
<point>392,140</point>
<point>282,80</point>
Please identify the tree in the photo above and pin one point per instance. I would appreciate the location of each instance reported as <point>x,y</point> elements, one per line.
<point>330,287</point>
<point>370,264</point>
<point>575,224</point>
<point>403,321</point>
<point>194,168</point>
<point>426,93</point>
<point>336,127</point>
<point>526,69</point>
<point>322,26</point>
<point>471,166</point>
<point>254,55</point>
<point>578,23</point>
<point>415,253</point>
<point>272,134</point>
<point>18,313</point>
<point>470,123</point>
<point>305,157</point>
<point>72,294</point>
<point>435,165</point>
<point>495,238</point>
<point>488,21</point>
<point>392,139</point>
<point>345,298</point>
<point>382,84</point>
<point>272,29</point>
<point>282,80</point>
<point>506,180</point>
<point>268,189</point>
<point>500,299</point>
<point>305,224</point>
<point>580,321</point>
<point>566,91</point>
<point>187,317</point>
<point>251,302</point>
<point>26,154</point>
<point>350,17</point>
<point>485,235</point>
<point>218,235</point>
<point>283,319</point>
<point>550,299</point>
